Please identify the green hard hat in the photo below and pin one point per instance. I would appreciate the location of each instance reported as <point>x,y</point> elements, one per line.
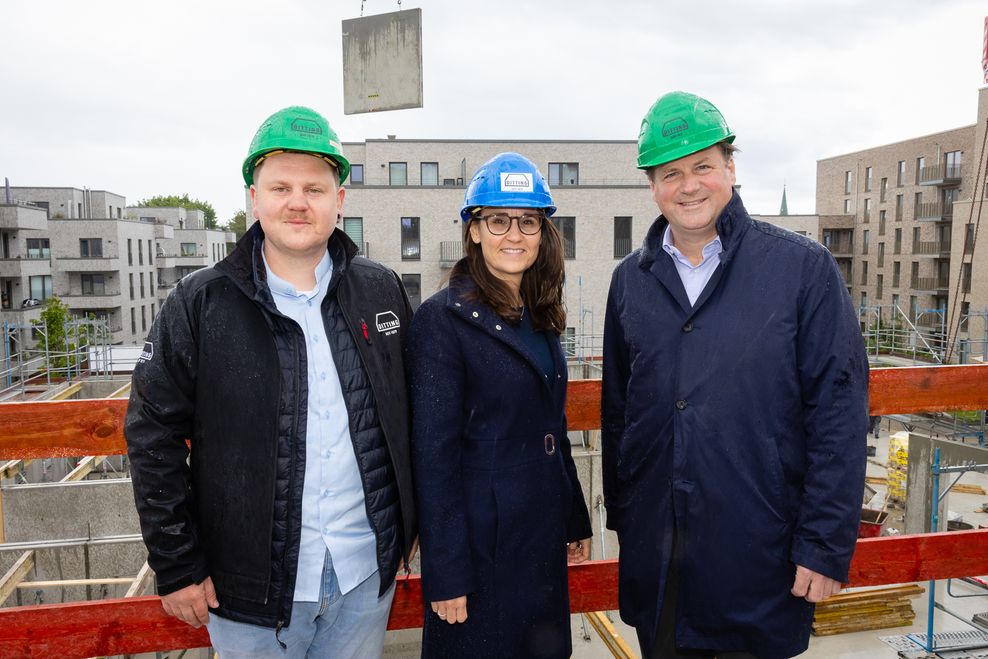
<point>298,129</point>
<point>677,125</point>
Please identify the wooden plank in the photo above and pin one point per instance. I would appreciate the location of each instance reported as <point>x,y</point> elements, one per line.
<point>928,389</point>
<point>11,468</point>
<point>583,405</point>
<point>909,558</point>
<point>16,574</point>
<point>83,469</point>
<point>68,392</point>
<point>122,392</point>
<point>612,640</point>
<point>67,583</point>
<point>141,581</point>
<point>62,429</point>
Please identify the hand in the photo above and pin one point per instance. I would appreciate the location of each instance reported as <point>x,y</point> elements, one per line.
<point>411,554</point>
<point>191,604</point>
<point>813,587</point>
<point>452,611</point>
<point>579,551</point>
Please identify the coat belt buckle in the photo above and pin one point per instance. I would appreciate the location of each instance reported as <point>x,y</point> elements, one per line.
<point>550,444</point>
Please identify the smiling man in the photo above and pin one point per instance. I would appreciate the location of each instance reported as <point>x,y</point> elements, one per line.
<point>734,410</point>
<point>283,367</point>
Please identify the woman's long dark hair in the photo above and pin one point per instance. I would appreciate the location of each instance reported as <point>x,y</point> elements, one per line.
<point>541,284</point>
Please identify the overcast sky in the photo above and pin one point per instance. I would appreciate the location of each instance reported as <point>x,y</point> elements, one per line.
<point>145,98</point>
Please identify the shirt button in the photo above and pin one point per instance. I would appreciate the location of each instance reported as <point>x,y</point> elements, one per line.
<point>327,454</point>
<point>322,376</point>
<point>680,404</point>
<point>325,492</point>
<point>688,327</point>
<point>325,415</point>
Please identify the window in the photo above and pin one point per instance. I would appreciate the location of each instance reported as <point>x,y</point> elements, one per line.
<point>40,287</point>
<point>356,175</point>
<point>188,249</point>
<point>895,303</point>
<point>898,241</point>
<point>150,253</point>
<point>142,285</point>
<point>898,208</point>
<point>91,248</point>
<point>413,287</point>
<point>882,190</point>
<point>864,299</point>
<point>622,237</point>
<point>354,227</point>
<point>913,308</point>
<point>867,179</point>
<point>411,244</point>
<point>429,173</point>
<point>864,241</point>
<point>140,253</point>
<point>864,273</point>
<point>567,229</point>
<point>896,273</point>
<point>914,275</point>
<point>881,254</point>
<point>569,341</point>
<point>151,281</point>
<point>133,321</point>
<point>880,279</point>
<point>901,177</point>
<point>152,312</point>
<point>848,208</point>
<point>130,277</point>
<point>867,210</point>
<point>920,164</point>
<point>130,252</point>
<point>969,238</point>
<point>848,181</point>
<point>881,223</point>
<point>38,248</point>
<point>564,173</point>
<point>93,285</point>
<point>917,202</point>
<point>965,277</point>
<point>397,173</point>
<point>952,162</point>
<point>144,318</point>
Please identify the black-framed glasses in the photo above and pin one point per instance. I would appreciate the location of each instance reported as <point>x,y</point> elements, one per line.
<point>500,223</point>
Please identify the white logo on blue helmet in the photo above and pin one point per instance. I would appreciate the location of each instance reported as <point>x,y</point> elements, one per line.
<point>516,182</point>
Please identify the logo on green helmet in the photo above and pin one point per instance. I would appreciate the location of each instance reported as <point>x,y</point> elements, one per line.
<point>674,127</point>
<point>306,126</point>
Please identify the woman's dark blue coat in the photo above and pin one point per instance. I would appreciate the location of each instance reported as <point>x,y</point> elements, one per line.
<point>741,420</point>
<point>495,480</point>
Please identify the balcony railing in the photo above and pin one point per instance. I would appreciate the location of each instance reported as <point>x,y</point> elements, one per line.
<point>932,284</point>
<point>132,625</point>
<point>841,247</point>
<point>932,248</point>
<point>450,251</point>
<point>941,174</point>
<point>935,211</point>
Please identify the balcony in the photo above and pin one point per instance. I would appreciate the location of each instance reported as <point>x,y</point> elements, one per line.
<point>841,248</point>
<point>93,301</point>
<point>19,216</point>
<point>941,174</point>
<point>20,267</point>
<point>88,264</point>
<point>933,285</point>
<point>936,248</point>
<point>450,251</point>
<point>934,211</point>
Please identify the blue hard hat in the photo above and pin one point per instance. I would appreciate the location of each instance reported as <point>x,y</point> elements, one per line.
<point>508,180</point>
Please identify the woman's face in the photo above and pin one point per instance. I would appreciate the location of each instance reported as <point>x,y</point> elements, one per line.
<point>510,254</point>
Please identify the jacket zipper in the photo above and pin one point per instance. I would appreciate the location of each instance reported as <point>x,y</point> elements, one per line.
<point>285,595</point>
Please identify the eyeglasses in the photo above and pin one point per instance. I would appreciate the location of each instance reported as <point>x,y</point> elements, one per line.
<point>500,223</point>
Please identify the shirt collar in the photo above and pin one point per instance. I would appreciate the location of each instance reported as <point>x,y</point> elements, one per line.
<point>715,246</point>
<point>279,286</point>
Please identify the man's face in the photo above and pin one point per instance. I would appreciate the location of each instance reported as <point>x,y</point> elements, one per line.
<point>691,192</point>
<point>296,200</point>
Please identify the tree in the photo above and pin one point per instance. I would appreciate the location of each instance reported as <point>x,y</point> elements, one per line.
<point>62,343</point>
<point>237,224</point>
<point>171,201</point>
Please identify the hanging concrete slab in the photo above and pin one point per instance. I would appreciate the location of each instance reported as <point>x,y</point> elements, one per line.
<point>382,62</point>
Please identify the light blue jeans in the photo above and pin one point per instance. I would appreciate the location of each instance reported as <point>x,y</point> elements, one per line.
<point>351,625</point>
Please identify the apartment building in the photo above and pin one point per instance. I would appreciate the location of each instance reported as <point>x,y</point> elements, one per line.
<point>403,200</point>
<point>99,256</point>
<point>901,219</point>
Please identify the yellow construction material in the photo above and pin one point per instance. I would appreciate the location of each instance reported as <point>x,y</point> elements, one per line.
<point>617,645</point>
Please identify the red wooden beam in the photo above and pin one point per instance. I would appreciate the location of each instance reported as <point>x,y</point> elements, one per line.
<point>928,389</point>
<point>130,626</point>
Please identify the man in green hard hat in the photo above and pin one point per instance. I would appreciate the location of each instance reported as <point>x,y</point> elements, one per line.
<point>734,410</point>
<point>282,523</point>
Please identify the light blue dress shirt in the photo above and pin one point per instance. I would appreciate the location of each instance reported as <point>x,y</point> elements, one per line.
<point>334,514</point>
<point>695,277</point>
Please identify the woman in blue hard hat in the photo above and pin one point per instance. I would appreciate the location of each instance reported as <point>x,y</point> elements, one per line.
<point>501,509</point>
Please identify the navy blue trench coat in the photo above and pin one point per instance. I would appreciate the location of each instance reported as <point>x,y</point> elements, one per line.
<point>741,419</point>
<point>495,480</point>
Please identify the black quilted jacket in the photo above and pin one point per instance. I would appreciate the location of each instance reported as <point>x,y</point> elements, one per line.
<point>223,368</point>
